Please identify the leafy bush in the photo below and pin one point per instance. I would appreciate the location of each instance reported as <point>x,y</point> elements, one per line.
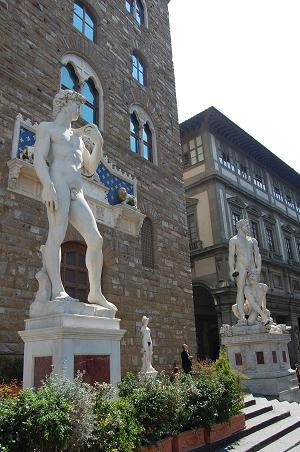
<point>117,428</point>
<point>200,395</point>
<point>156,403</point>
<point>128,384</point>
<point>58,416</point>
<point>34,421</point>
<point>82,398</point>
<point>232,400</point>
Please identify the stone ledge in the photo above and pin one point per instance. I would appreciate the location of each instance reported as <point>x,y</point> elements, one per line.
<point>22,179</point>
<point>74,333</point>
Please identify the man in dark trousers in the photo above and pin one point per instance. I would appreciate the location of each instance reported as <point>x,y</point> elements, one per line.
<point>186,359</point>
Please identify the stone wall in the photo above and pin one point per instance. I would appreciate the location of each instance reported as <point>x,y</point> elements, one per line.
<point>34,35</point>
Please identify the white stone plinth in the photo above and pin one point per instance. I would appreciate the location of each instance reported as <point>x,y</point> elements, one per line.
<point>65,335</point>
<point>260,355</point>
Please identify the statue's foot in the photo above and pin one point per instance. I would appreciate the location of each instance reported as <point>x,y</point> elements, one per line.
<point>62,295</point>
<point>102,301</point>
<point>242,321</point>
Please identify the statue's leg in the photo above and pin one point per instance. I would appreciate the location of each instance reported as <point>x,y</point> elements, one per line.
<point>82,218</point>
<point>58,222</point>
<point>235,311</point>
<point>240,299</point>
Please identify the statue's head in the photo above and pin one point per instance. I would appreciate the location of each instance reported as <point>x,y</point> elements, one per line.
<point>145,320</point>
<point>252,278</point>
<point>122,192</point>
<point>243,225</point>
<point>185,347</point>
<point>68,99</point>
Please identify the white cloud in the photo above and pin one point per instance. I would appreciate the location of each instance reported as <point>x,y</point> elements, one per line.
<point>241,56</point>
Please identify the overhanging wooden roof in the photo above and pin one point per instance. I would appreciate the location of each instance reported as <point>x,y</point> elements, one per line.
<point>219,124</point>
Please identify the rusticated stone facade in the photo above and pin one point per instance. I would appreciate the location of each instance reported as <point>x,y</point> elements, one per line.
<point>34,36</point>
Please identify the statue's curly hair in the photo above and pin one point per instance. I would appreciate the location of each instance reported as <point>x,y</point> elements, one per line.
<point>63,97</point>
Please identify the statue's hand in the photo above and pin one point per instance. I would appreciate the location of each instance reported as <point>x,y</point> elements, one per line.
<point>49,197</point>
<point>92,132</point>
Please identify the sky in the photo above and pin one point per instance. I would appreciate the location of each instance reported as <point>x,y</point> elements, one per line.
<point>242,57</point>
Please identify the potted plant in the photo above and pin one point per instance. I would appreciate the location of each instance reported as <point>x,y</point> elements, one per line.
<point>199,395</point>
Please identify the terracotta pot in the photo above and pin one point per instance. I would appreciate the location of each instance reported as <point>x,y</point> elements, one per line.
<point>188,440</point>
<point>217,432</point>
<point>165,445</point>
<point>237,422</point>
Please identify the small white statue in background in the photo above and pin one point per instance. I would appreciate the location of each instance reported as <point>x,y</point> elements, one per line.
<point>147,349</point>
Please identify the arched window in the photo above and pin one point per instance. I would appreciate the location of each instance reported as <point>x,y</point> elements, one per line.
<point>134,133</point>
<point>76,74</point>
<point>147,243</point>
<point>89,109</point>
<point>142,134</point>
<point>73,270</point>
<point>138,69</point>
<point>147,143</point>
<point>84,21</point>
<point>69,79</point>
<point>138,9</point>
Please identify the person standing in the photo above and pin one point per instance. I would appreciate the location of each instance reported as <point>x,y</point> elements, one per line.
<point>186,359</point>
<point>298,373</point>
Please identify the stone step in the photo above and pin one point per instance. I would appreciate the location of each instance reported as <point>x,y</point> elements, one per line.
<point>249,400</point>
<point>294,407</point>
<point>288,442</point>
<point>252,425</point>
<point>262,406</point>
<point>256,441</point>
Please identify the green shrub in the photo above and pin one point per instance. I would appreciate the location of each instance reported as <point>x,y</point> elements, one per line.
<point>232,400</point>
<point>156,403</point>
<point>58,416</point>
<point>200,395</point>
<point>117,428</point>
<point>81,398</point>
<point>35,421</point>
<point>128,384</point>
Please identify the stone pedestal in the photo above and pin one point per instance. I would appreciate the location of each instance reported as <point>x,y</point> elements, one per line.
<point>69,336</point>
<point>262,355</point>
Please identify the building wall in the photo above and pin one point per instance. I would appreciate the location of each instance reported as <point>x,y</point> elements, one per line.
<point>228,193</point>
<point>34,36</point>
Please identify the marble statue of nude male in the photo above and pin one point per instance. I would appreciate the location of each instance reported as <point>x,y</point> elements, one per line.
<point>58,159</point>
<point>244,257</point>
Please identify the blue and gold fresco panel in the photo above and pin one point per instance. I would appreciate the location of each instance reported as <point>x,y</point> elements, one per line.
<point>111,181</point>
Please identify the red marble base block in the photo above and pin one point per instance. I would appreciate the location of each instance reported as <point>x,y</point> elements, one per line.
<point>42,369</point>
<point>96,368</point>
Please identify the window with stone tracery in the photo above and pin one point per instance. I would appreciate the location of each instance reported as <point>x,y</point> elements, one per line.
<point>142,134</point>
<point>76,74</point>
